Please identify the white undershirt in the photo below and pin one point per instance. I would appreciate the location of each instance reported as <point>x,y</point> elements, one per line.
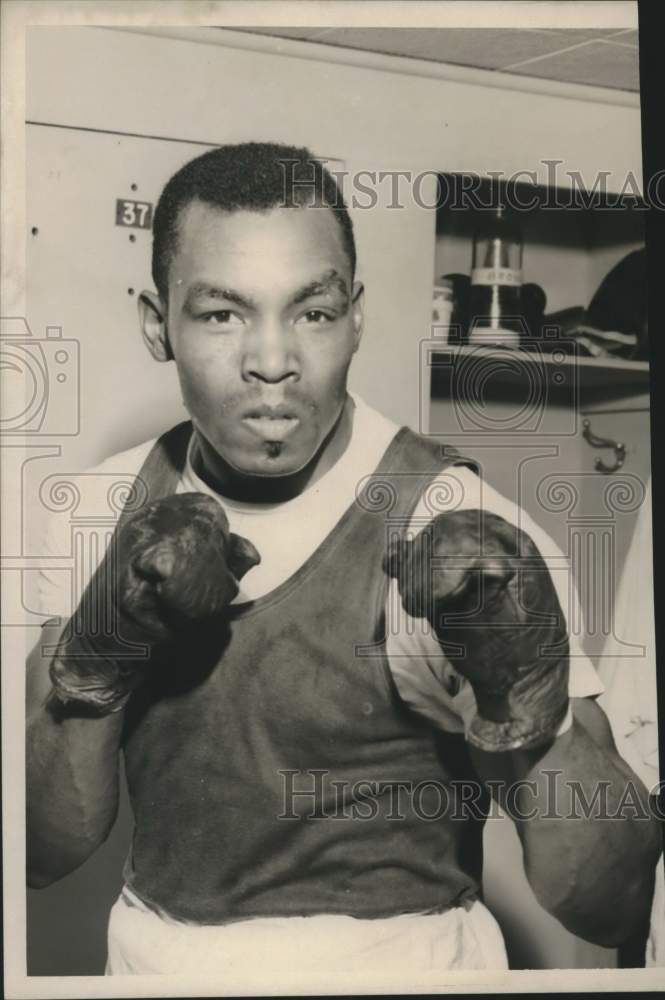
<point>286,534</point>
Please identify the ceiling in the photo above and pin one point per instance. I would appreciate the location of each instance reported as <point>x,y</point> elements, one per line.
<point>596,57</point>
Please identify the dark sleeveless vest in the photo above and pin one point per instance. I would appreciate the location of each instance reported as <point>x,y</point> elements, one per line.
<point>280,774</point>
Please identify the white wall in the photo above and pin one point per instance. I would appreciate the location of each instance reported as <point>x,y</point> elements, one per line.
<point>206,92</point>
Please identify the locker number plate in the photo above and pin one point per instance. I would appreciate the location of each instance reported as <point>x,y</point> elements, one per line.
<point>133,214</point>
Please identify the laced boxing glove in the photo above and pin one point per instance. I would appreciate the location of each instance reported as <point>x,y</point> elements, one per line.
<point>485,589</point>
<point>169,574</point>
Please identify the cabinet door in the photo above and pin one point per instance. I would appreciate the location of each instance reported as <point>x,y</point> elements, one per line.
<point>608,509</point>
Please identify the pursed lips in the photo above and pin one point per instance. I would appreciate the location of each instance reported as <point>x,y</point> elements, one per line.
<point>271,411</point>
<point>271,423</point>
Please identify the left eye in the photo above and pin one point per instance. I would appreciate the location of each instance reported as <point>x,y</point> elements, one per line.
<point>221,317</point>
<point>317,317</point>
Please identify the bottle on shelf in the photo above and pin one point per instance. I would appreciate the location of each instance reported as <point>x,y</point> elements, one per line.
<point>496,282</point>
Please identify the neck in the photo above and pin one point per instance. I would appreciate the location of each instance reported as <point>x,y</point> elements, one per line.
<point>228,482</point>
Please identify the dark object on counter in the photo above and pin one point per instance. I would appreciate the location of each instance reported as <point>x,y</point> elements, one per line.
<point>534,301</point>
<point>566,321</point>
<point>620,304</point>
<point>615,323</point>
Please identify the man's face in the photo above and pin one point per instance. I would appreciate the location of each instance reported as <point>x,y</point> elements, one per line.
<point>262,324</point>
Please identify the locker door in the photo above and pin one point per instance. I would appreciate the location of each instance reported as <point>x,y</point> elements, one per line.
<point>85,272</point>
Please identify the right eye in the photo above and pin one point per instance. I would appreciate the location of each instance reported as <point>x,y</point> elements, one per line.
<point>221,318</point>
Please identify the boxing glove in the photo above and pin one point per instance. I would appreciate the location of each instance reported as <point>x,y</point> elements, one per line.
<point>489,597</point>
<point>168,576</point>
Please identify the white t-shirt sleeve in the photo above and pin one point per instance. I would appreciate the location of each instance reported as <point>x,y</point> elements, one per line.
<point>55,579</point>
<point>424,678</point>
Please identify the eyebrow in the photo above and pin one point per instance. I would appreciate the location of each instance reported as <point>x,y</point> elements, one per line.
<point>202,289</point>
<point>331,281</point>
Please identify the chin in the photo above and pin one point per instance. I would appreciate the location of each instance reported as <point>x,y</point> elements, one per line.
<point>277,467</point>
<point>274,462</point>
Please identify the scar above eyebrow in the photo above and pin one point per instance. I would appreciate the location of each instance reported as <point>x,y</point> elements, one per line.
<point>330,281</point>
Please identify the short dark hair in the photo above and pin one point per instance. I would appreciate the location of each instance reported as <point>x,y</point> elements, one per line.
<point>250,176</point>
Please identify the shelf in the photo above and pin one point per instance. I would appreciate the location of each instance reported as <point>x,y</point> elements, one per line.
<point>495,372</point>
<point>571,245</point>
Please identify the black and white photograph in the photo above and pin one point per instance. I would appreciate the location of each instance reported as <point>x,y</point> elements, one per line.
<point>328,620</point>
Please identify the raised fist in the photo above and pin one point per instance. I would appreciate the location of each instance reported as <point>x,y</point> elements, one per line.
<point>485,589</point>
<point>170,572</point>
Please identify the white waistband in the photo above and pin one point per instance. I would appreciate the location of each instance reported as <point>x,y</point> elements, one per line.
<point>408,945</point>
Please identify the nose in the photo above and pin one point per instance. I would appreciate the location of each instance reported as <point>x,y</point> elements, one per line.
<point>270,355</point>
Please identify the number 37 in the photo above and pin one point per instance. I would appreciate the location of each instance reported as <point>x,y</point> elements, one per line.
<point>135,214</point>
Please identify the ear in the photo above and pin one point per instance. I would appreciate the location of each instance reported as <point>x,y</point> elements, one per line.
<point>152,317</point>
<point>358,315</point>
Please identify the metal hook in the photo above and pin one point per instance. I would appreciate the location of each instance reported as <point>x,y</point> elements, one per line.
<point>596,442</point>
